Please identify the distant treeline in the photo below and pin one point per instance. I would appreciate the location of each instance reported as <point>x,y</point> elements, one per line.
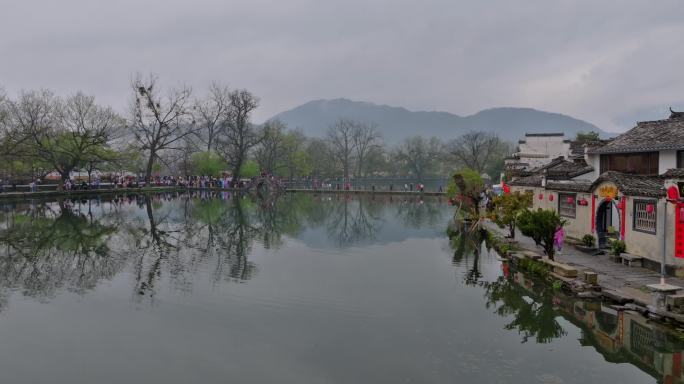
<point>172,132</point>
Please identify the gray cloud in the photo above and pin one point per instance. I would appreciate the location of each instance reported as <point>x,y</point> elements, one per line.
<point>609,62</point>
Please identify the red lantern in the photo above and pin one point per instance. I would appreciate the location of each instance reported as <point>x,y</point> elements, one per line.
<point>673,193</point>
<point>649,208</point>
<point>551,197</point>
<point>570,200</point>
<point>541,196</point>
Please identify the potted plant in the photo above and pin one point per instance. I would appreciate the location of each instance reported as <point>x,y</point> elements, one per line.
<point>587,245</point>
<point>617,248</point>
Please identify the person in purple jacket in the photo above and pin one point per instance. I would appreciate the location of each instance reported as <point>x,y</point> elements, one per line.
<point>559,239</point>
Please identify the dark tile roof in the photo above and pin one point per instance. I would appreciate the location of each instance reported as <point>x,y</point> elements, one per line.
<point>633,185</point>
<point>582,171</point>
<point>559,168</point>
<point>569,185</point>
<point>528,181</point>
<point>649,136</point>
<point>551,164</point>
<point>568,170</point>
<point>675,173</point>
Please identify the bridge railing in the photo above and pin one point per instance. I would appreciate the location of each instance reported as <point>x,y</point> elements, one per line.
<point>369,184</point>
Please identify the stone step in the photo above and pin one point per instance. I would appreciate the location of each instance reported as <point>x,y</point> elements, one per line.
<point>616,296</point>
<point>560,268</point>
<point>631,260</point>
<point>590,277</point>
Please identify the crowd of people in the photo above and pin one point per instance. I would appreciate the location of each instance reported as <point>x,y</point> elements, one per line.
<point>201,182</point>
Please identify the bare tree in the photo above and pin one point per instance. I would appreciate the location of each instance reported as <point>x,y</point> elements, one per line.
<point>342,143</point>
<point>4,113</point>
<point>64,136</point>
<point>212,113</point>
<point>377,161</point>
<point>419,155</point>
<point>5,145</point>
<point>476,150</point>
<point>33,115</point>
<point>321,157</point>
<point>158,123</point>
<point>365,137</point>
<point>270,149</point>
<point>239,135</point>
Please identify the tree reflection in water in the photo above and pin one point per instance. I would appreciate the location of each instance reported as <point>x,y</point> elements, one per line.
<point>194,230</point>
<point>74,244</point>
<point>530,306</point>
<point>532,311</point>
<point>416,212</point>
<point>351,221</point>
<point>48,247</point>
<point>466,241</point>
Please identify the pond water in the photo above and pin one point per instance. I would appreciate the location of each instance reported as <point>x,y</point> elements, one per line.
<point>179,288</point>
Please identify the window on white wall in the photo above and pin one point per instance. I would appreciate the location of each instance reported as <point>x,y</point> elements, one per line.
<point>567,205</point>
<point>645,216</point>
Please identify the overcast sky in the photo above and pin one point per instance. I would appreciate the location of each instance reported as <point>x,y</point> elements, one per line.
<point>607,62</point>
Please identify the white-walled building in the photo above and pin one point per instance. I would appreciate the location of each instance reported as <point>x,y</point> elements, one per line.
<point>537,150</point>
<point>619,191</point>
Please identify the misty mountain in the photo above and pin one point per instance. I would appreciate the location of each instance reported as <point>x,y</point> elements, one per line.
<point>397,123</point>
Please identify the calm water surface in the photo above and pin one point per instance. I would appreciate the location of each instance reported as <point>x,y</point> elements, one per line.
<point>304,289</point>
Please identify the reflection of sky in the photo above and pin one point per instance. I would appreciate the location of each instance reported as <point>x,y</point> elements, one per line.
<point>385,309</point>
<point>389,226</point>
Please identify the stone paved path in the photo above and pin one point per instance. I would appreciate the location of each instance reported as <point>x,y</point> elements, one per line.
<point>630,281</point>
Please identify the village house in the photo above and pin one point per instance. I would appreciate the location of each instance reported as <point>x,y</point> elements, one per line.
<point>620,190</point>
<point>537,150</point>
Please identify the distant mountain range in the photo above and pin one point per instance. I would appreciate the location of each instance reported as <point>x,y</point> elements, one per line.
<point>397,123</point>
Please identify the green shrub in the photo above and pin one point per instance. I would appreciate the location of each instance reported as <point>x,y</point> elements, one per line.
<point>534,267</point>
<point>541,226</point>
<point>207,164</point>
<point>617,247</point>
<point>507,207</point>
<point>588,240</point>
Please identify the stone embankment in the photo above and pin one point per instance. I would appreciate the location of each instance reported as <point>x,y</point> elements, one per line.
<point>595,277</point>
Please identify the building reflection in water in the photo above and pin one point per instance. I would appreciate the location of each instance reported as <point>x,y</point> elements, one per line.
<point>619,335</point>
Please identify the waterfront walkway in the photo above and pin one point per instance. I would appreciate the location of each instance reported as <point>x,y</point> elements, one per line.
<point>628,282</point>
<point>15,195</point>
